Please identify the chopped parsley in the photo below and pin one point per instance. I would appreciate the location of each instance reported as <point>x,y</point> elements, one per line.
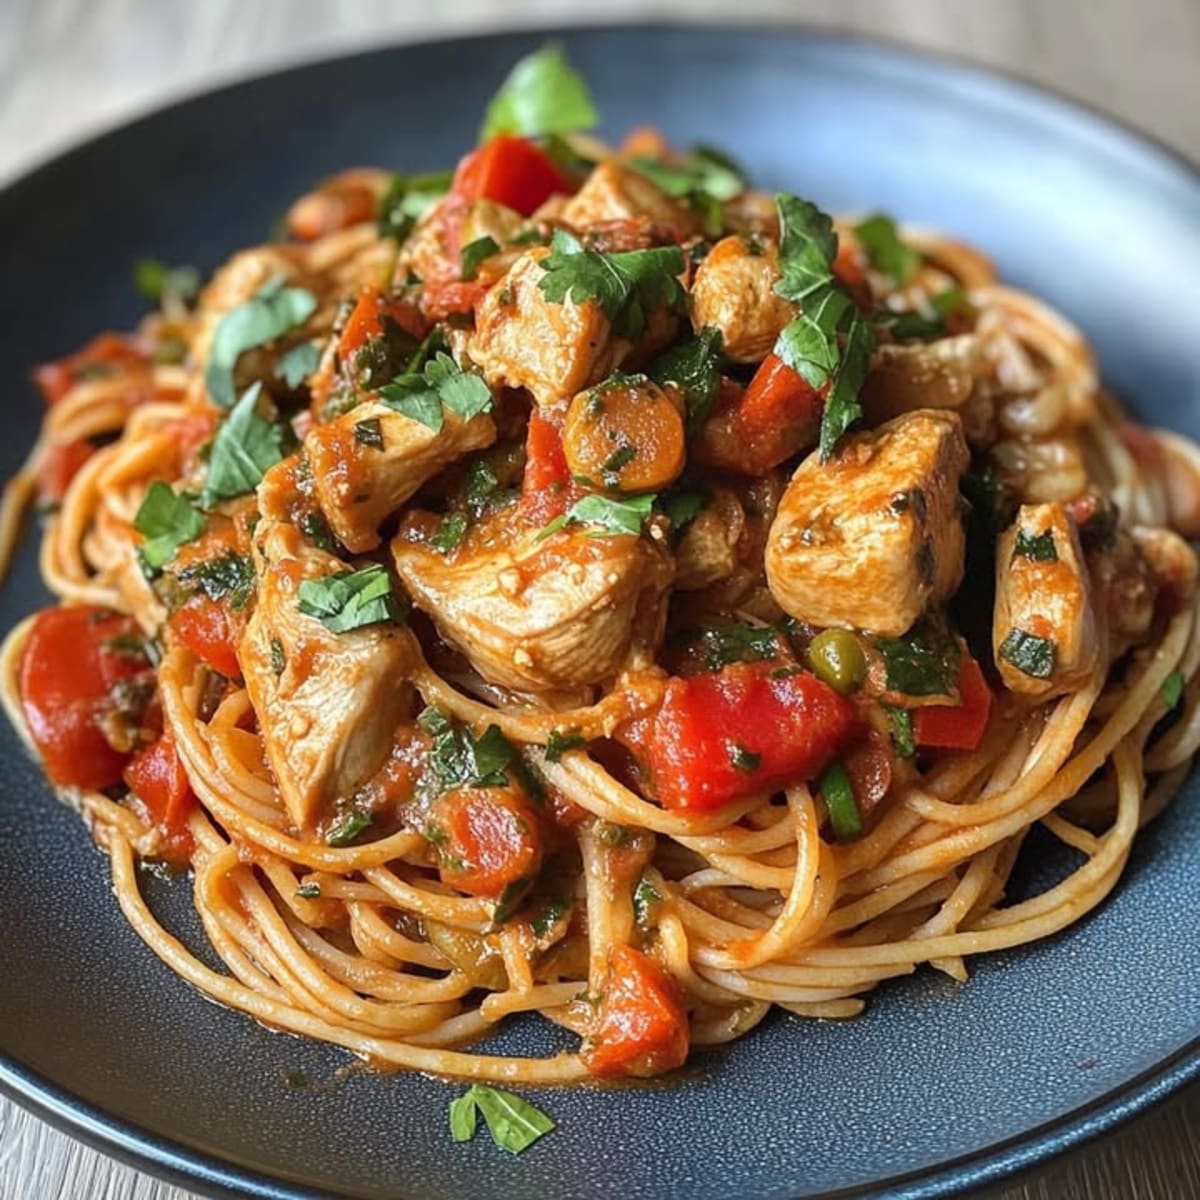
<point>902,730</point>
<point>476,253</point>
<point>886,251</point>
<point>1030,654</point>
<point>704,179</point>
<point>169,287</point>
<point>228,577</point>
<point>348,827</point>
<point>611,517</point>
<point>694,366</point>
<point>922,663</point>
<point>407,199</point>
<point>440,384</point>
<point>309,891</point>
<point>616,462</point>
<point>270,313</point>
<point>838,794</point>
<point>369,433</point>
<point>543,94</point>
<point>725,642</point>
<point>459,759</point>
<point>278,658</point>
<point>513,1123</point>
<point>562,740</point>
<point>167,521</point>
<point>626,286</point>
<point>828,343</point>
<point>1172,689</point>
<point>743,759</point>
<point>314,527</point>
<point>645,897</point>
<point>682,508</point>
<point>351,599</point>
<point>450,532</point>
<point>1035,547</point>
<point>550,914</point>
<point>246,446</point>
<point>297,364</point>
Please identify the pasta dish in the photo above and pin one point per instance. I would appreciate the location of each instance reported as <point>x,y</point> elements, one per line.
<point>580,584</point>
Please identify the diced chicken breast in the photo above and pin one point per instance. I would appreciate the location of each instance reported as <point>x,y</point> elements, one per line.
<point>1044,633</point>
<point>541,616</point>
<point>616,192</point>
<point>708,547</point>
<point>523,340</point>
<point>734,293</point>
<point>359,485</point>
<point>873,536</point>
<point>328,704</point>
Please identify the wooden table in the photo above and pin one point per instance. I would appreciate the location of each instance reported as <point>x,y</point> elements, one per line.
<point>69,68</point>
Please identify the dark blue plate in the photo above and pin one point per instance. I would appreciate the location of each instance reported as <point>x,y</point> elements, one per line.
<point>937,1087</point>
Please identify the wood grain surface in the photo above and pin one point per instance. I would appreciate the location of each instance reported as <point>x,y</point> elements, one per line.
<point>69,68</point>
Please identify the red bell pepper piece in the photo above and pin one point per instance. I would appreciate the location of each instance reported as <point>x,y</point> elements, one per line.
<point>957,726</point>
<point>641,1027</point>
<point>547,478</point>
<point>366,321</point>
<point>211,630</point>
<point>511,171</point>
<point>744,729</point>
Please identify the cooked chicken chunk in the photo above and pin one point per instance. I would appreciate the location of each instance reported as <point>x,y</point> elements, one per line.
<point>1044,632</point>
<point>913,375</point>
<point>541,616</point>
<point>734,293</point>
<point>708,548</point>
<point>871,537</point>
<point>523,340</point>
<point>327,703</point>
<point>359,485</point>
<point>1171,561</point>
<point>616,192</point>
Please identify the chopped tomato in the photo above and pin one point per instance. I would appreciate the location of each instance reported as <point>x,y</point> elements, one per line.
<point>511,171</point>
<point>68,672</point>
<point>957,726</point>
<point>156,776</point>
<point>62,461</point>
<point>366,321</point>
<point>547,477</point>
<point>751,431</point>
<point>211,631</point>
<point>487,839</point>
<point>443,299</point>
<point>104,354</point>
<point>746,728</point>
<point>190,433</point>
<point>641,1027</point>
<point>345,200</point>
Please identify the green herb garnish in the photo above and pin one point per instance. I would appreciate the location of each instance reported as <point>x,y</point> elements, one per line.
<point>450,532</point>
<point>562,740</point>
<point>278,658</point>
<point>167,521</point>
<point>228,577</point>
<point>169,287</point>
<point>542,94</point>
<point>369,432</point>
<point>270,313</point>
<point>407,199</point>
<point>886,251</point>
<point>922,663</point>
<point>1029,653</point>
<point>513,1123</point>
<point>902,730</point>
<point>351,599</point>
<point>704,179</point>
<point>645,897</point>
<point>309,891</point>
<point>610,516</point>
<point>1036,547</point>
<point>844,817</point>
<point>297,364</point>
<point>475,253</point>
<point>743,759</point>
<point>245,448</point>
<point>348,827</point>
<point>694,366</point>
<point>626,286</point>
<point>1172,689</point>
<point>440,384</point>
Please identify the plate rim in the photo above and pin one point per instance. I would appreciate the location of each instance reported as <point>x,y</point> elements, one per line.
<point>168,1159</point>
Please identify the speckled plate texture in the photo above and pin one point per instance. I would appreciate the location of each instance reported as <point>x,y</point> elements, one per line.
<point>938,1087</point>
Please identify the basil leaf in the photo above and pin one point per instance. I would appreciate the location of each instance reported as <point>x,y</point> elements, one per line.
<point>245,448</point>
<point>1030,654</point>
<point>626,286</point>
<point>543,94</point>
<point>170,287</point>
<point>695,367</point>
<point>513,1123</point>
<point>842,408</point>
<point>351,599</point>
<point>1172,689</point>
<point>270,313</point>
<point>167,521</point>
<point>298,364</point>
<point>463,1118</point>
<point>809,343</point>
<point>807,248</point>
<point>1035,547</point>
<point>475,253</point>
<point>613,516</point>
<point>886,251</point>
<point>407,199</point>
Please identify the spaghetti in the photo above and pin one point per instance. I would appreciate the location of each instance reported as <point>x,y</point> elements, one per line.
<point>542,589</point>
